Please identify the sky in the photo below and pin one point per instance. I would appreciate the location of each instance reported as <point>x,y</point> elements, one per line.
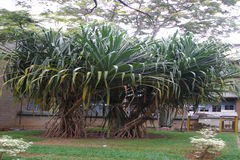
<point>37,8</point>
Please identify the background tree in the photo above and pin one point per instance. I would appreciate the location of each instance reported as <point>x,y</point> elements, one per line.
<point>11,21</point>
<point>150,17</point>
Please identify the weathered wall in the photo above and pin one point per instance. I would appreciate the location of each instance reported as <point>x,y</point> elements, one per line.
<point>8,108</point>
<point>228,124</point>
<point>34,122</point>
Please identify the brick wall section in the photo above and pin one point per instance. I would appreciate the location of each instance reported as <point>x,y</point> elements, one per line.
<point>8,108</point>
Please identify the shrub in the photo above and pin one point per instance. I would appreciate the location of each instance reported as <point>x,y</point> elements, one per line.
<point>11,146</point>
<point>207,143</point>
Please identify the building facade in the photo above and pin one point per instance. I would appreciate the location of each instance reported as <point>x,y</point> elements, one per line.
<point>214,114</point>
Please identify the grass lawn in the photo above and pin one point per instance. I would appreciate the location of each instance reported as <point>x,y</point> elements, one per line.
<point>173,146</point>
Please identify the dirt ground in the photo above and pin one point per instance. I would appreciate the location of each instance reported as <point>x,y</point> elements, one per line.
<point>195,156</point>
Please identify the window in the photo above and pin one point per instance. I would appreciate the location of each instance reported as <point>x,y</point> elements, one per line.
<point>229,107</point>
<point>204,109</point>
<point>32,107</point>
<point>216,108</point>
<point>191,108</point>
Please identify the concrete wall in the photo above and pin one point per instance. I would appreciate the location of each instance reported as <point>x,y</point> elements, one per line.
<point>216,123</point>
<point>211,122</point>
<point>34,122</point>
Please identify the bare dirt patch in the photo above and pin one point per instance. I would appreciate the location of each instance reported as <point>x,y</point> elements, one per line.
<point>100,135</point>
<point>98,140</point>
<point>63,142</point>
<point>96,135</point>
<point>30,155</point>
<point>194,155</point>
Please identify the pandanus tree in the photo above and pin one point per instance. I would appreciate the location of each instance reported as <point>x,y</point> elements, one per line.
<point>39,69</point>
<point>200,72</point>
<point>118,67</point>
<point>66,75</point>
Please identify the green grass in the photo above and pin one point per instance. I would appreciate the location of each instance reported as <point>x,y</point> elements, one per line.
<point>231,151</point>
<point>173,146</point>
<point>27,135</point>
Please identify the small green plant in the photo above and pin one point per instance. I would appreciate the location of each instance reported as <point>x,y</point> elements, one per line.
<point>11,146</point>
<point>207,143</point>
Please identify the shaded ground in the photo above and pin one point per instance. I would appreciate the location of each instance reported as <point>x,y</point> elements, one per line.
<point>169,146</point>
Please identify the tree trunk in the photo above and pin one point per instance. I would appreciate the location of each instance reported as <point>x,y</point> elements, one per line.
<point>183,120</point>
<point>133,129</point>
<point>1,155</point>
<point>167,116</point>
<point>68,123</point>
<point>203,154</point>
<point>154,32</point>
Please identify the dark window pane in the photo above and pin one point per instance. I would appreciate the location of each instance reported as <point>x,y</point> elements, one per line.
<point>204,109</point>
<point>229,107</point>
<point>32,107</point>
<point>216,108</point>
